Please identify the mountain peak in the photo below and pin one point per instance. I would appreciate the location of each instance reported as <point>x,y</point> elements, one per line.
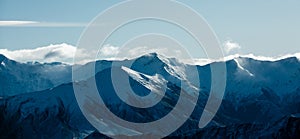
<point>153,54</point>
<point>2,57</point>
<point>150,55</point>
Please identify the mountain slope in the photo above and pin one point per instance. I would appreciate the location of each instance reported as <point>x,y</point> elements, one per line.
<point>262,99</point>
<point>18,78</point>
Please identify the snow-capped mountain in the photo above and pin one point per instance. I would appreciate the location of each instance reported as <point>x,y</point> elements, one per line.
<point>262,98</point>
<point>18,78</point>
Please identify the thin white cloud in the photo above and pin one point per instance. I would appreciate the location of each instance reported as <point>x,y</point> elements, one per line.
<point>16,23</point>
<point>230,46</point>
<point>19,23</point>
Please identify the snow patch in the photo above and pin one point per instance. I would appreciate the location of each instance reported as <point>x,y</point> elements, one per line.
<point>242,68</point>
<point>3,64</point>
<point>178,70</point>
<point>174,67</point>
<point>154,83</point>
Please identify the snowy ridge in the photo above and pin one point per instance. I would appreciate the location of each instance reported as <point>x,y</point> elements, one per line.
<point>242,68</point>
<point>204,61</point>
<point>154,83</point>
<point>18,78</point>
<point>262,105</point>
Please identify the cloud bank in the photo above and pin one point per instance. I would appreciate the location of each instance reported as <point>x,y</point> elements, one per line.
<point>52,53</point>
<point>65,53</point>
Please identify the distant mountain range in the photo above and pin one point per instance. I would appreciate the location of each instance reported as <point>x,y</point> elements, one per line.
<point>262,98</point>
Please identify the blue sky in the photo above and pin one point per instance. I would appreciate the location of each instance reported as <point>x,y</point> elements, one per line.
<point>267,28</point>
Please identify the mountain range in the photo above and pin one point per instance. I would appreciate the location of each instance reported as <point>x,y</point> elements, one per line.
<point>262,98</point>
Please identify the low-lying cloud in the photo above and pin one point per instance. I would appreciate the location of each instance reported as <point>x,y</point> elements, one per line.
<point>65,53</point>
<point>52,53</point>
